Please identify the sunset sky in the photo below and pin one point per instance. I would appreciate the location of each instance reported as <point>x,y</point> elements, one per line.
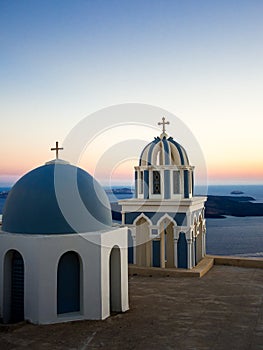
<point>61,60</point>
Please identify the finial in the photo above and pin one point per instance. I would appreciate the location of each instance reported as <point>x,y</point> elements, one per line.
<point>163,123</point>
<point>56,149</point>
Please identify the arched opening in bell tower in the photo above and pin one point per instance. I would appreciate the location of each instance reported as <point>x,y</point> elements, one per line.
<point>143,243</point>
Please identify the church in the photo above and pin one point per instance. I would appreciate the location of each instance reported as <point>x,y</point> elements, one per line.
<point>60,258</point>
<point>165,220</point>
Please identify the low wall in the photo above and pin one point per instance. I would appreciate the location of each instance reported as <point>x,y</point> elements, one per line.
<point>198,271</point>
<point>237,261</point>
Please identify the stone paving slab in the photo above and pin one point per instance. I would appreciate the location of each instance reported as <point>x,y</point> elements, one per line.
<point>222,310</point>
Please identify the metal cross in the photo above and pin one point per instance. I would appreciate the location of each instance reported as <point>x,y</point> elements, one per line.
<point>56,149</point>
<point>163,124</point>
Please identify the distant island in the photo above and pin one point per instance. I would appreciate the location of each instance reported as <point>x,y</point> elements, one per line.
<point>123,190</point>
<point>236,192</point>
<point>3,194</point>
<point>119,190</point>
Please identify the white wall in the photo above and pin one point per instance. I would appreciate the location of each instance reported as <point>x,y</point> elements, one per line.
<point>41,254</point>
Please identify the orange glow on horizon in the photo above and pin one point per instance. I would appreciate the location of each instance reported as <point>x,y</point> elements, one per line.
<point>249,172</point>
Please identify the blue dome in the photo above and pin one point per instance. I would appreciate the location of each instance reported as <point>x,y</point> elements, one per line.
<point>56,198</point>
<point>163,151</point>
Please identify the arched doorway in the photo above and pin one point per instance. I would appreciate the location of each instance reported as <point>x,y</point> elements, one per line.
<point>195,243</point>
<point>166,242</point>
<point>199,243</point>
<point>143,243</point>
<point>115,279</point>
<point>68,283</point>
<point>198,247</point>
<point>182,251</point>
<point>14,276</point>
<point>169,245</point>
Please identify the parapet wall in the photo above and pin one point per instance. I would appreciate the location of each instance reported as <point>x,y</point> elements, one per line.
<point>200,269</point>
<point>237,261</point>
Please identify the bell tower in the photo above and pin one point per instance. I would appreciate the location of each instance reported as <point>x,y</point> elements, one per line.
<point>165,220</point>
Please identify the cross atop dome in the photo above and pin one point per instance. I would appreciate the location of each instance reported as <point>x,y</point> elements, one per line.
<point>56,149</point>
<point>57,159</point>
<point>163,123</point>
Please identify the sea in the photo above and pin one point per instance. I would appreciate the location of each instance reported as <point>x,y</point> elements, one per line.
<point>238,236</point>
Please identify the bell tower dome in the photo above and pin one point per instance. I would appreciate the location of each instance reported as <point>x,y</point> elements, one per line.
<point>164,171</point>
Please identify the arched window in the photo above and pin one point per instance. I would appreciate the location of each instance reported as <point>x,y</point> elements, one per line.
<point>140,182</point>
<point>156,182</point>
<point>68,283</point>
<point>176,182</point>
<point>190,181</point>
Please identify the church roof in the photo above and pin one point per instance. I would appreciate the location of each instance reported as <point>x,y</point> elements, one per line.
<point>163,151</point>
<point>56,198</point>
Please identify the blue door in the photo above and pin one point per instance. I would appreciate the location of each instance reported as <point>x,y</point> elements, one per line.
<point>17,288</point>
<point>182,251</point>
<point>156,253</point>
<point>130,248</point>
<point>130,255</point>
<point>68,283</point>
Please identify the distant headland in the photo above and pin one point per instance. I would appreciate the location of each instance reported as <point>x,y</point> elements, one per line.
<point>221,206</point>
<point>217,207</point>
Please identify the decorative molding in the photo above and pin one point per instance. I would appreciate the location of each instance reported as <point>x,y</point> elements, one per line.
<point>142,215</point>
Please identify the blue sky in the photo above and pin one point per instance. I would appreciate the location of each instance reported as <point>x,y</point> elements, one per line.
<point>201,60</point>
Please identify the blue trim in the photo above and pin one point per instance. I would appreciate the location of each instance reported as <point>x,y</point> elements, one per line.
<point>154,142</point>
<point>192,183</point>
<point>186,185</point>
<point>167,158</point>
<point>146,184</point>
<point>185,155</point>
<point>140,161</point>
<point>179,218</point>
<point>167,182</point>
<point>182,251</point>
<point>166,152</point>
<point>130,255</point>
<point>195,252</point>
<point>179,149</point>
<point>156,257</point>
<point>130,247</point>
<point>136,183</point>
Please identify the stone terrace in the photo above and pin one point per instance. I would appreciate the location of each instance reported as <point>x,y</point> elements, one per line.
<point>223,310</point>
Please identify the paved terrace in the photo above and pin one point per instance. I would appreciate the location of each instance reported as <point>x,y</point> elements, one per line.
<point>221,311</point>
